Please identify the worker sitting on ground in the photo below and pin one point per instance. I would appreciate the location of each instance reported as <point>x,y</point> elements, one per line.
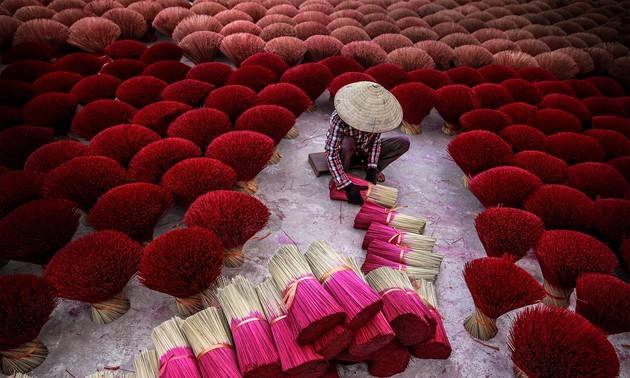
<point>363,110</point>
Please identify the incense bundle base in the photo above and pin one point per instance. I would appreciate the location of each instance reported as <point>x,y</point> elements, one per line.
<point>249,187</point>
<point>438,347</point>
<point>333,342</point>
<point>411,129</point>
<point>556,296</point>
<point>190,305</point>
<point>372,336</point>
<point>464,180</point>
<point>292,134</point>
<point>312,107</point>
<point>409,325</point>
<point>275,158</point>
<point>107,311</point>
<point>24,358</point>
<point>480,326</point>
<point>234,257</point>
<point>308,358</point>
<point>147,364</point>
<point>449,128</point>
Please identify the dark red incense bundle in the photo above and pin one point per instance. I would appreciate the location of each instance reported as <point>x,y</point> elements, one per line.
<point>402,307</point>
<point>359,301</point>
<point>95,269</point>
<point>312,308</point>
<point>214,73</point>
<point>158,116</point>
<point>611,216</point>
<point>553,121</point>
<point>15,93</point>
<point>268,60</point>
<point>452,101</point>
<point>615,123</point>
<point>549,169</point>
<point>416,263</point>
<point>561,207</point>
<point>133,209</point>
<point>271,120</point>
<point>613,142</point>
<point>200,126</point>
<point>607,86</point>
<point>479,150</point>
<point>100,115</point>
<point>390,360</point>
<point>51,155</point>
<point>466,76</point>
<point>430,77</point>
<point>312,78</point>
<point>253,339</point>
<point>546,341</point>
<point>621,164</point>
<point>520,112</point>
<point>232,100</point>
<point>597,180</point>
<point>59,81</point>
<point>390,217</point>
<point>84,179</point>
<point>334,341</point>
<point>35,231</point>
<point>492,96</point>
<point>167,70</point>
<point>497,73</point>
<point>286,95</point>
<point>191,178</point>
<point>254,77</point>
<point>10,116</point>
<point>485,119</point>
<point>53,109</point>
<point>575,148</point>
<point>233,216</point>
<point>438,346</point>
<point>122,142</point>
<point>18,188</point>
<point>26,302</point>
<point>26,70</point>
<point>497,286</point>
<point>28,50</point>
<point>184,263</point>
<point>17,143</point>
<point>378,231</point>
<point>294,358</point>
<point>125,48</point>
<point>153,160</point>
<point>567,103</point>
<point>503,186</point>
<point>416,100</point>
<point>247,152</point>
<point>603,300</point>
<point>161,51</point>
<point>524,138</point>
<point>504,230</point>
<point>209,336</point>
<point>124,69</point>
<point>389,75</point>
<point>583,88</point>
<point>140,91</point>
<point>347,78</point>
<point>187,91</point>
<point>564,255</point>
<point>523,91</point>
<point>339,65</point>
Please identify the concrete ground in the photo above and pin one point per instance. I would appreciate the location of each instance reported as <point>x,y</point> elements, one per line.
<point>429,185</point>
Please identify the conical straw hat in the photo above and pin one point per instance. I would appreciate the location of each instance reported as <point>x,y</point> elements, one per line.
<point>367,106</point>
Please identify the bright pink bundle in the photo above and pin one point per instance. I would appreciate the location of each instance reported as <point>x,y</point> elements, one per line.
<point>176,356</point>
<point>360,302</point>
<point>438,346</point>
<point>390,217</point>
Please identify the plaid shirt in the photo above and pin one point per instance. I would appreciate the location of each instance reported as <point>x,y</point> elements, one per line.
<point>366,144</point>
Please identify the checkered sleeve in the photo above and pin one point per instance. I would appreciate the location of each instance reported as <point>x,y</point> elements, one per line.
<point>333,143</point>
<point>375,151</point>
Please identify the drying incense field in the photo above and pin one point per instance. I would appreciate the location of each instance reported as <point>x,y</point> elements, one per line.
<point>152,116</point>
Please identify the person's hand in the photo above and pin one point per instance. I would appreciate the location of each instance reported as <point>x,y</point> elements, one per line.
<point>354,194</point>
<point>371,175</point>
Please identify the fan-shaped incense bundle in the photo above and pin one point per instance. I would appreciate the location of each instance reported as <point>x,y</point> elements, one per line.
<point>184,263</point>
<point>176,356</point>
<point>255,349</point>
<point>390,217</point>
<point>207,332</point>
<point>406,259</point>
<point>375,333</point>
<point>333,341</point>
<point>294,358</point>
<point>563,256</point>
<point>354,295</point>
<point>604,300</point>
<point>147,364</point>
<point>438,346</point>
<point>95,268</point>
<point>401,306</point>
<point>497,286</point>
<point>552,342</point>
<point>382,195</point>
<point>379,231</point>
<point>312,308</point>
<point>26,302</point>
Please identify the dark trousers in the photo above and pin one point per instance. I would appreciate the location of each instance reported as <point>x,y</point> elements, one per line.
<point>391,149</point>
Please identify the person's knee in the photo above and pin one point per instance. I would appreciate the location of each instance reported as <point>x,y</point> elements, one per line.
<point>404,143</point>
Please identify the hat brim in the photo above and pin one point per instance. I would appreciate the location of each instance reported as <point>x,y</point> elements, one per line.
<point>367,106</point>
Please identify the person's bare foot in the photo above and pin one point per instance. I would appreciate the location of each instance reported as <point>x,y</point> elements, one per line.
<point>380,177</point>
